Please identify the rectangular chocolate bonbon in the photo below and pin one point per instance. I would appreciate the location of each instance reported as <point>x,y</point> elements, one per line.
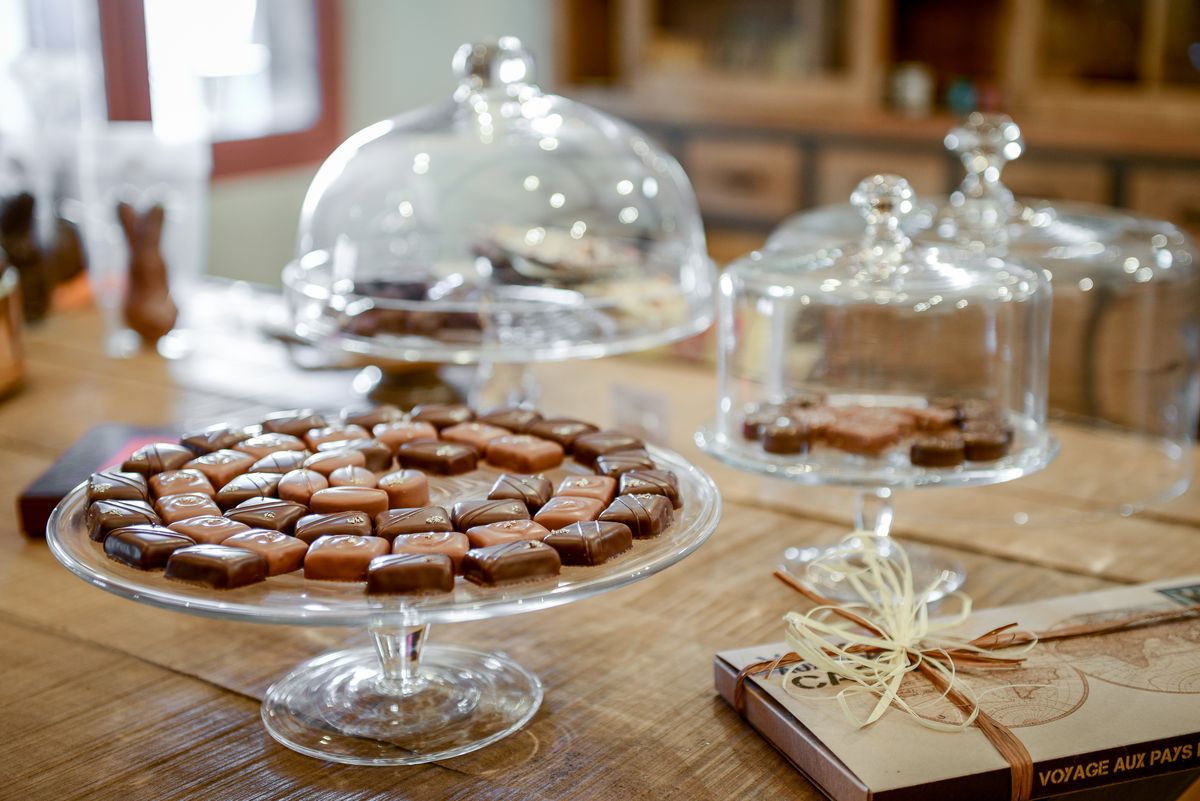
<point>180,482</point>
<point>601,488</point>
<point>343,557</point>
<point>443,415</point>
<point>216,566</point>
<point>157,457</point>
<point>115,485</point>
<point>208,529</point>
<point>451,543</point>
<point>656,482</point>
<point>509,562</point>
<point>260,446</point>
<point>467,514</point>
<point>144,547</point>
<point>309,527</point>
<point>393,522</point>
<point>270,513</point>
<point>505,531</point>
<point>410,573</point>
<point>104,516</point>
<point>393,435</point>
<point>614,464</point>
<point>377,457</point>
<point>279,462</point>
<point>533,491</point>
<point>173,508</point>
<point>215,438</point>
<point>477,435</point>
<point>369,416</point>
<point>405,489</point>
<point>296,422</point>
<point>299,485</point>
<point>593,542</point>
<point>349,499</point>
<point>645,515</point>
<point>246,486</point>
<point>562,430</point>
<point>586,448</point>
<point>563,510</point>
<point>512,418</point>
<point>283,553</point>
<point>523,453</point>
<point>222,466</point>
<point>442,458</point>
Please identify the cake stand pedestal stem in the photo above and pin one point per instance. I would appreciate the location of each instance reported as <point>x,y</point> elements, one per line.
<point>399,650</point>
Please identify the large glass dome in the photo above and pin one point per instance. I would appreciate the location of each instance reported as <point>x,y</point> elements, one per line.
<point>504,225</point>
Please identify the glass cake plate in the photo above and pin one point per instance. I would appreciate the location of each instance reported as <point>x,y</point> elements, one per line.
<point>399,702</point>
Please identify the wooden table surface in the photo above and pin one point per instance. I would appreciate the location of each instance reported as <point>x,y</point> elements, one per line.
<point>104,698</point>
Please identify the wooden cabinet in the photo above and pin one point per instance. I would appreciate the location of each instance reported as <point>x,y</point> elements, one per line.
<point>1089,181</point>
<point>745,179</point>
<point>1167,194</point>
<point>839,170</point>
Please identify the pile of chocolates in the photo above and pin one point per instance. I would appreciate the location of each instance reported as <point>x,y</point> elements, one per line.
<point>944,433</point>
<point>347,499</point>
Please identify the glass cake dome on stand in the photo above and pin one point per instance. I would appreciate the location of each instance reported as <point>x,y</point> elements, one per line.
<point>503,227</point>
<point>882,365</point>
<point>1125,333</point>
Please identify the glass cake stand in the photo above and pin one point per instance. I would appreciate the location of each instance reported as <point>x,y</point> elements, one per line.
<point>400,702</point>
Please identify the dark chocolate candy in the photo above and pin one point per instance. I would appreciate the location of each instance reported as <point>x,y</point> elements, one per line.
<point>593,542</point>
<point>342,557</point>
<point>105,516</point>
<point>614,464</point>
<point>533,491</point>
<point>442,458</point>
<point>179,482</point>
<point>377,457</point>
<point>524,453</point>
<point>986,443</point>
<point>759,416</point>
<point>523,560</point>
<point>217,566</point>
<point>283,553</point>
<point>349,499</point>
<point>351,476</point>
<point>370,416</point>
<point>296,422</point>
<point>937,451</point>
<point>562,430</point>
<point>309,527</point>
<point>173,508</point>
<point>215,438</point>
<point>247,486</point>
<point>114,485</point>
<point>157,457</point>
<point>656,482</point>
<point>785,437</point>
<point>409,573</point>
<point>468,514</point>
<point>443,415</point>
<point>221,466</point>
<point>144,547</point>
<point>299,485</point>
<point>279,462</point>
<point>394,522</point>
<point>513,418</point>
<point>645,515</point>
<point>270,513</point>
<point>260,446</point>
<point>586,447</point>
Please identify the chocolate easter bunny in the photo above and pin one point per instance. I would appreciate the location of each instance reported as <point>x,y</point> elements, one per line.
<point>149,309</point>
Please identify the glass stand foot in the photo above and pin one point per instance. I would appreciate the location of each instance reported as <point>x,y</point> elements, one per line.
<point>927,567</point>
<point>342,707</point>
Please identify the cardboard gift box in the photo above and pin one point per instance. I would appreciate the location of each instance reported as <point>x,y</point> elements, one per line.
<point>1093,711</point>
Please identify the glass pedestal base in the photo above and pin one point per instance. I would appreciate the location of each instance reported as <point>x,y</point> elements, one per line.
<point>342,707</point>
<point>927,567</point>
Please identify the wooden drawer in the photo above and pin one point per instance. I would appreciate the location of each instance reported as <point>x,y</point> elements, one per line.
<point>1059,180</point>
<point>1167,194</point>
<point>725,245</point>
<point>751,179</point>
<point>839,170</point>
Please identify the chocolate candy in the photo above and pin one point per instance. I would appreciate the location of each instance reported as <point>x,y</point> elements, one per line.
<point>410,573</point>
<point>505,531</point>
<point>342,558</point>
<point>220,467</point>
<point>934,418</point>
<point>477,435</point>
<point>208,529</point>
<point>467,514</point>
<point>260,446</point>
<point>349,499</point>
<point>508,562</point>
<point>656,482</point>
<point>645,515</point>
<point>283,553</point>
<point>587,447</point>
<point>173,508</point>
<point>441,458</point>
<point>309,527</point>
<point>377,457</point>
<point>866,439</point>
<point>412,521</point>
<point>299,485</point>
<point>144,547</point>
<point>351,476</point>
<point>602,488</point>
<point>533,491</point>
<point>562,430</point>
<point>157,457</point>
<point>524,453</point>
<point>396,434</point>
<point>614,464</point>
<point>986,443</point>
<point>215,438</point>
<point>370,416</point>
<point>759,417</point>
<point>280,462</point>
<point>443,415</point>
<point>247,486</point>
<point>270,513</point>
<point>405,488</point>
<point>562,511</point>
<point>590,543</point>
<point>785,437</point>
<point>296,422</point>
<point>512,418</point>
<point>104,516</point>
<point>981,411</point>
<point>937,451</point>
<point>317,437</point>
<point>451,543</point>
<point>114,485</point>
<point>179,482</point>
<point>217,566</point>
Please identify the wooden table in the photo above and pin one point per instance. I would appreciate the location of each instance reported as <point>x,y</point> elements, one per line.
<point>104,698</point>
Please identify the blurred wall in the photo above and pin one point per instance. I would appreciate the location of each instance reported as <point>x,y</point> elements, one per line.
<point>396,56</point>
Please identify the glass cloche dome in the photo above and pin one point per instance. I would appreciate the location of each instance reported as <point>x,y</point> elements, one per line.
<point>503,225</point>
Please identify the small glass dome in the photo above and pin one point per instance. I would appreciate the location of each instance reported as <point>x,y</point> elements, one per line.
<point>503,225</point>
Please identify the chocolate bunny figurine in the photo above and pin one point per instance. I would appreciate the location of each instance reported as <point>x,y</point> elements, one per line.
<point>149,309</point>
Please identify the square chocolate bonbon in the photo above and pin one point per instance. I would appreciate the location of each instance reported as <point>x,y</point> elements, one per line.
<point>562,430</point>
<point>614,464</point>
<point>586,448</point>
<point>173,508</point>
<point>657,482</point>
<point>317,437</point>
<point>370,416</point>
<point>645,515</point>
<point>260,446</point>
<point>246,486</point>
<point>115,485</point>
<point>467,514</point>
<point>284,554</point>
<point>477,435</point>
<point>157,457</point>
<point>270,513</point>
<point>343,557</point>
<point>441,458</point>
<point>296,422</point>
<point>451,543</point>
<point>512,418</point>
<point>390,523</point>
<point>593,542</point>
<point>442,415</point>
<point>310,527</point>
<point>349,499</point>
<point>222,466</point>
<point>280,462</point>
<point>563,510</point>
<point>215,438</point>
<point>409,574</point>
<point>510,562</point>
<point>393,435</point>
<point>524,453</point>
<point>533,491</point>
<point>181,482</point>
<point>105,516</point>
<point>208,529</point>
<point>601,488</point>
<point>217,566</point>
<point>144,547</point>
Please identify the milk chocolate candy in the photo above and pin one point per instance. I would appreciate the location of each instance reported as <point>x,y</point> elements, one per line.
<point>865,439</point>
<point>590,543</point>
<point>319,436</point>
<point>409,574</point>
<point>157,457</point>
<point>451,543</point>
<point>645,515</point>
<point>349,499</point>
<point>405,488</point>
<point>222,466</point>
<point>215,438</point>
<point>587,447</point>
<point>785,437</point>
<point>328,461</point>
<point>614,464</point>
<point>309,527</point>
<point>173,508</point>
<point>477,435</point>
<point>602,488</point>
<point>937,451</point>
<point>180,482</point>
<point>875,416</point>
<point>655,482</point>
<point>562,430</point>
<point>263,444</point>
<point>934,418</point>
<point>396,434</point>
<point>562,511</point>
<point>443,415</point>
<point>394,522</point>
<point>247,486</point>
<point>533,491</point>
<point>216,566</point>
<point>370,416</point>
<point>114,485</point>
<point>467,514</point>
<point>342,558</point>
<point>509,562</point>
<point>524,453</point>
<point>104,516</point>
<point>351,476</point>
<point>760,416</point>
<point>144,547</point>
<point>280,462</point>
<point>208,529</point>
<point>299,485</point>
<point>377,457</point>
<point>284,554</point>
<point>270,513</point>
<point>441,458</point>
<point>512,418</point>
<point>986,443</point>
<point>505,531</point>
<point>296,422</point>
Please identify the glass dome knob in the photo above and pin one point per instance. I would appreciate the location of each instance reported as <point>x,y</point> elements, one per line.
<point>985,143</point>
<point>883,200</point>
<point>480,65</point>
